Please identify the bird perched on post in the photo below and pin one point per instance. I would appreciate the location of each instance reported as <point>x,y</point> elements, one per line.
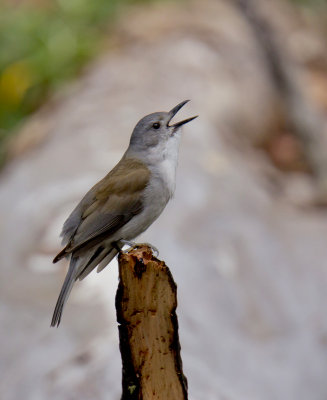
<point>124,203</point>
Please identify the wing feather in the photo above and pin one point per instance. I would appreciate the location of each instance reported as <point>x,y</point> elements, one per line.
<point>108,206</point>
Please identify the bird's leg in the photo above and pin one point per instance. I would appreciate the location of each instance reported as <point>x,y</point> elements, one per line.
<point>118,246</point>
<point>134,245</point>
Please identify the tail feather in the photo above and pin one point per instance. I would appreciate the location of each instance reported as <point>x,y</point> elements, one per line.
<point>60,255</point>
<point>103,263</point>
<point>80,266</point>
<point>97,257</point>
<point>65,291</point>
<point>101,259</point>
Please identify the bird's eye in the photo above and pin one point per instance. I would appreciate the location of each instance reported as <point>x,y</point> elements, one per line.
<point>156,125</point>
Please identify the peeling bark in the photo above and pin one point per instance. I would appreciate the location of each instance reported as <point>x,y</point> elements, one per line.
<point>148,331</point>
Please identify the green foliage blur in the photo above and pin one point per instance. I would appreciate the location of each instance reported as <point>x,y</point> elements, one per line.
<point>44,43</point>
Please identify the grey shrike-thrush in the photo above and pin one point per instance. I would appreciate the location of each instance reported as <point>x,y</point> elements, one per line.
<point>124,203</point>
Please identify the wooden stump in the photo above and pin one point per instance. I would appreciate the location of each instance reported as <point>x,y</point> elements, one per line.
<point>148,330</point>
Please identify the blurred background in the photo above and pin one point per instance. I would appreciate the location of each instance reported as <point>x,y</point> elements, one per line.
<point>245,235</point>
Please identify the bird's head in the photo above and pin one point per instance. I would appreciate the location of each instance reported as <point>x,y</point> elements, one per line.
<point>155,130</point>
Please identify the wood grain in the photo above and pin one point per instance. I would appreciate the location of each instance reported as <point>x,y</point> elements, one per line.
<point>149,344</point>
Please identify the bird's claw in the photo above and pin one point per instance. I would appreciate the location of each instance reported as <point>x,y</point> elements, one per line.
<point>134,245</point>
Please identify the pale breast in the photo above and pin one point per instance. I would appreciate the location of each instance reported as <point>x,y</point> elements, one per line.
<point>162,163</point>
<point>158,192</point>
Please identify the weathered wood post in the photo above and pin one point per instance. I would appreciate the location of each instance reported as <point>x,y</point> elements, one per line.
<point>148,331</point>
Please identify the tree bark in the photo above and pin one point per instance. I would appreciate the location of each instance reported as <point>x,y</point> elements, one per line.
<point>148,331</point>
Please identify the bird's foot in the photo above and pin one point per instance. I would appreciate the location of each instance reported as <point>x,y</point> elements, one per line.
<point>134,245</point>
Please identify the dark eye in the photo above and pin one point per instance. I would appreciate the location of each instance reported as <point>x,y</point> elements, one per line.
<point>156,125</point>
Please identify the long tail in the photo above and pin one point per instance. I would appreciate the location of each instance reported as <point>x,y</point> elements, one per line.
<point>65,291</point>
<point>79,268</point>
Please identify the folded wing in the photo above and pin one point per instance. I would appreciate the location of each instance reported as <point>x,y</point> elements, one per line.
<point>108,206</point>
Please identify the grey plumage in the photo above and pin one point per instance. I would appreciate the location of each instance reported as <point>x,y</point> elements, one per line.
<point>64,293</point>
<point>124,203</point>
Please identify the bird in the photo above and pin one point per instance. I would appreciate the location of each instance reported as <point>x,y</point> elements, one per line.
<point>124,203</point>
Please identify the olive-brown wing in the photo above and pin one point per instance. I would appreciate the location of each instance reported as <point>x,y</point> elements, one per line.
<point>109,205</point>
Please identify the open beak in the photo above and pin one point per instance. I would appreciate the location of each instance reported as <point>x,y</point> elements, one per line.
<point>174,111</point>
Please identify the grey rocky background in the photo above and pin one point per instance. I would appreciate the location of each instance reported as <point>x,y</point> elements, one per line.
<point>246,249</point>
